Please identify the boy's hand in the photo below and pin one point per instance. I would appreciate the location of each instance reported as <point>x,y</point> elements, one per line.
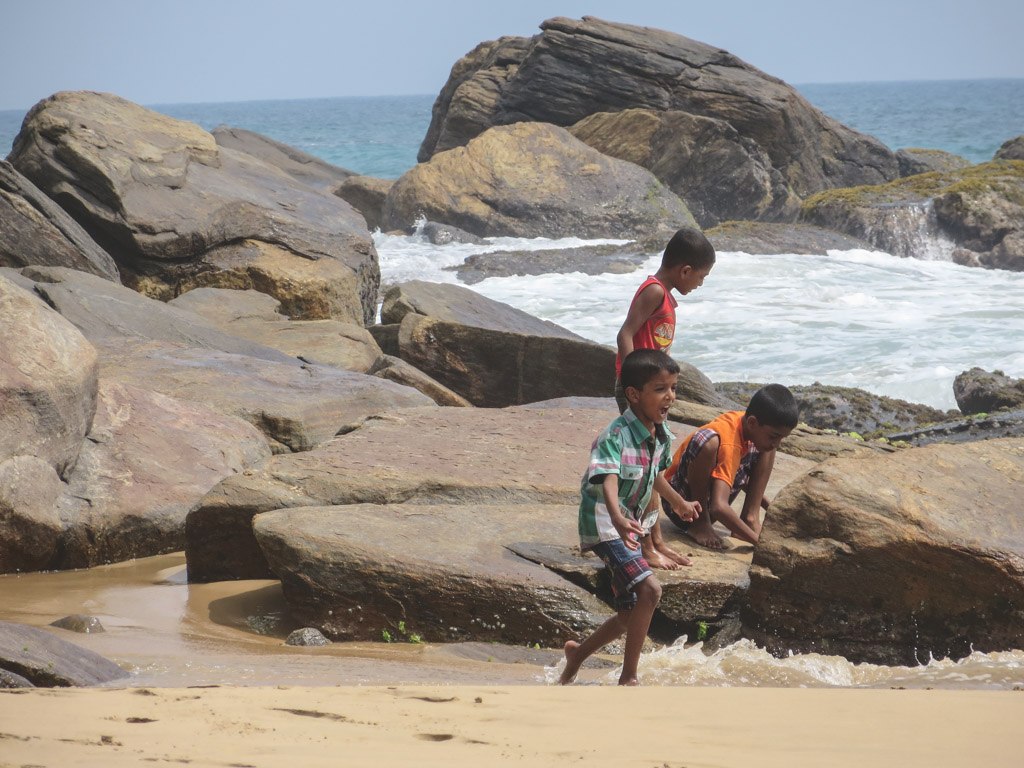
<point>630,530</point>
<point>687,510</point>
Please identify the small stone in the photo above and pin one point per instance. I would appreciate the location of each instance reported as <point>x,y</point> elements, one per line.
<point>307,636</point>
<point>78,622</point>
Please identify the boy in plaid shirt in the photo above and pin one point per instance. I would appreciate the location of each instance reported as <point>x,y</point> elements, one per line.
<point>627,463</point>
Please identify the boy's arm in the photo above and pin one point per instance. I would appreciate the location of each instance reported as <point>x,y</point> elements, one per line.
<point>687,510</point>
<point>643,306</point>
<point>723,512</point>
<point>630,530</point>
<point>754,499</point>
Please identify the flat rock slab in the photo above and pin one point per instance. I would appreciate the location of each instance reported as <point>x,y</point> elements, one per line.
<point>438,572</point>
<point>296,405</point>
<point>45,660</point>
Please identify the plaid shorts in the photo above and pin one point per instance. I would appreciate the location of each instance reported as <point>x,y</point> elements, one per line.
<point>627,568</point>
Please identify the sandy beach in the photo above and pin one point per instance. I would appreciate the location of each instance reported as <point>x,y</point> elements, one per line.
<point>528,725</point>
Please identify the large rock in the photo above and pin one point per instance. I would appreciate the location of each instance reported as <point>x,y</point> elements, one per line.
<point>103,310</point>
<point>914,160</point>
<point>588,259</point>
<point>471,588</point>
<point>30,526</point>
<point>535,180</point>
<point>967,429</point>
<point>367,195</point>
<point>296,405</point>
<point>1012,149</point>
<point>768,238</point>
<point>301,166</point>
<point>176,211</point>
<point>397,370</point>
<point>255,316</point>
<point>893,559</point>
<point>718,173</point>
<point>973,216</point>
<point>38,231</point>
<point>48,381</point>
<point>147,460</point>
<point>576,68</point>
<point>452,455</point>
<point>46,660</point>
<point>980,391</point>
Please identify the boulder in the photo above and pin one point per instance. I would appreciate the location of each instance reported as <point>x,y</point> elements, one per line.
<point>147,460</point>
<point>915,160</point>
<point>471,588</point>
<point>895,558</point>
<point>30,527</point>
<point>588,259</point>
<point>467,456</point>
<point>38,231</point>
<point>296,405</point>
<point>301,166</point>
<point>1012,149</point>
<point>973,216</point>
<point>366,194</point>
<point>983,426</point>
<point>46,661</point>
<point>769,238</point>
<point>445,234</point>
<point>176,210</point>
<point>48,381</point>
<point>456,304</point>
<point>535,180</point>
<point>79,622</point>
<point>103,310</point>
<point>717,172</point>
<point>255,316</point>
<point>397,370</point>
<point>576,68</point>
<point>980,391</point>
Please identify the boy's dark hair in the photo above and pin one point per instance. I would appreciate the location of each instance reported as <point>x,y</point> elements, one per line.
<point>773,405</point>
<point>688,248</point>
<point>642,365</point>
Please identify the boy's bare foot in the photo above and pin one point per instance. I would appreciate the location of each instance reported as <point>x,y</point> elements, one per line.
<point>702,533</point>
<point>655,559</point>
<point>572,663</point>
<point>679,559</point>
<point>629,680</point>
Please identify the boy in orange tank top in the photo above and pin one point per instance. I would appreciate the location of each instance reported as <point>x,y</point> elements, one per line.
<point>651,324</point>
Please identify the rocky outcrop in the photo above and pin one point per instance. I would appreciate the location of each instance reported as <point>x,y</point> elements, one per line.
<point>967,429</point>
<point>48,381</point>
<point>774,238</point>
<point>588,259</point>
<point>397,370</point>
<point>1012,149</point>
<point>535,180</point>
<point>38,231</point>
<point>146,461</point>
<point>981,391</point>
<point>176,210</point>
<point>576,68</point>
<point>972,216</point>
<point>366,194</point>
<point>895,558</point>
<point>301,166</point>
<point>717,172</point>
<point>30,526</point>
<point>472,588</point>
<point>256,316</point>
<point>46,660</point>
<point>915,160</point>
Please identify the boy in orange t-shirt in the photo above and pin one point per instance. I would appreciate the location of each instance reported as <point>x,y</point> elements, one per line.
<point>732,453</point>
<point>651,324</point>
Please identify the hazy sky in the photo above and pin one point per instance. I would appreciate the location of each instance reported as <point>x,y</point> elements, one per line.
<point>237,50</point>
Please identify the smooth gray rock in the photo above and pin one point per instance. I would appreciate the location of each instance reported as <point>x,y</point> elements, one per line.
<point>367,195</point>
<point>913,161</point>
<point>46,661</point>
<point>301,166</point>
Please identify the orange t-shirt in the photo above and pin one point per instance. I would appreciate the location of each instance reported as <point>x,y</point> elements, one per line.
<point>731,447</point>
<point>660,328</point>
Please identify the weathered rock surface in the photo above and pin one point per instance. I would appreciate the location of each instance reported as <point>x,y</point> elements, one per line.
<point>1012,149</point>
<point>366,194</point>
<point>588,259</point>
<point>439,455</point>
<point>967,429</point>
<point>397,370</point>
<point>307,637</point>
<point>576,68</point>
<point>296,405</point>
<point>147,460</point>
<point>38,231</point>
<point>973,216</point>
<point>472,587</point>
<point>46,661</point>
<point>846,409</point>
<point>717,172</point>
<point>256,316</point>
<point>535,180</point>
<point>891,558</point>
<point>773,238</point>
<point>301,166</point>
<point>48,381</point>
<point>30,527</point>
<point>914,160</point>
<point>981,391</point>
<point>103,310</point>
<point>175,210</point>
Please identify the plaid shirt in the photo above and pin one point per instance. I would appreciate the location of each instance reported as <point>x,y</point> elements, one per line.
<point>628,450</point>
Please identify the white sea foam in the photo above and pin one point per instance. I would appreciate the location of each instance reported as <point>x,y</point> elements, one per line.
<point>893,326</point>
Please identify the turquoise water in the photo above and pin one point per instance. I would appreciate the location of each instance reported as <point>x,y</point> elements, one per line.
<point>380,136</point>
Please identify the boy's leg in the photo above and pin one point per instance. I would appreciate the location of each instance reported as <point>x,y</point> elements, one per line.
<point>648,594</point>
<point>698,479</point>
<point>577,653</point>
